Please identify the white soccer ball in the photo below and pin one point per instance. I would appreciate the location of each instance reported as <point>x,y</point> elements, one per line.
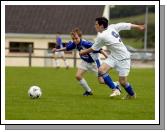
<point>34,92</point>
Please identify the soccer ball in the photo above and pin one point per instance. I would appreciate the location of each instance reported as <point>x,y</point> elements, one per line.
<point>34,92</point>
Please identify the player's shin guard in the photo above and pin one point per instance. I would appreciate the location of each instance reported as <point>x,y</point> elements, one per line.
<point>108,81</point>
<point>129,89</point>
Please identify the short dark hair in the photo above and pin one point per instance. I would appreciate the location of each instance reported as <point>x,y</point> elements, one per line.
<point>77,31</point>
<point>102,21</point>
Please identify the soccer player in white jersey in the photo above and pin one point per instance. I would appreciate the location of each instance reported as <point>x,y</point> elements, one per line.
<point>119,58</point>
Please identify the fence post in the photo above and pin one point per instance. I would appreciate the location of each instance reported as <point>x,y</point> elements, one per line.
<point>75,58</point>
<point>30,54</point>
<point>145,32</point>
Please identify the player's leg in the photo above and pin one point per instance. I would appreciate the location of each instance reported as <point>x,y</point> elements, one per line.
<point>123,68</point>
<point>127,86</point>
<point>94,68</point>
<point>55,56</point>
<point>65,62</point>
<point>83,82</point>
<point>98,64</point>
<point>103,72</point>
<point>64,59</point>
<point>101,80</point>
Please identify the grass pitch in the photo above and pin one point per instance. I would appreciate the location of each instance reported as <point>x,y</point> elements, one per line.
<point>62,96</point>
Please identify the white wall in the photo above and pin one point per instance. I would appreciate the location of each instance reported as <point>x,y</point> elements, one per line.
<point>39,41</point>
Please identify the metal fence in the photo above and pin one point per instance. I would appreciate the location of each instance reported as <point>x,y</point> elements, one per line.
<point>138,55</point>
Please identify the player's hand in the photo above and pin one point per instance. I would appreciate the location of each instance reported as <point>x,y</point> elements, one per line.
<point>141,27</point>
<point>54,50</point>
<point>81,52</point>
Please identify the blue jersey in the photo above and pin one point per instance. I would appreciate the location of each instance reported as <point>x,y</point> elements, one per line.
<point>59,44</point>
<point>82,45</point>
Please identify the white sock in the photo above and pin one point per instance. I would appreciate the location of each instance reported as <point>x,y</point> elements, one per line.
<point>85,85</point>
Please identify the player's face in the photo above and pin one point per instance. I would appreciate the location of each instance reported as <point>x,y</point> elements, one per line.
<point>97,26</point>
<point>75,38</point>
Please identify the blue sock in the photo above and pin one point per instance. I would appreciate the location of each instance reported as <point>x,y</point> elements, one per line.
<point>129,89</point>
<point>108,81</point>
<point>98,63</point>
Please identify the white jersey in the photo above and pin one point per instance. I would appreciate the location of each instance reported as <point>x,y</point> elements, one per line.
<point>111,39</point>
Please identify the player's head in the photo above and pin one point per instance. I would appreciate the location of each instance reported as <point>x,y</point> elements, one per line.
<point>58,34</point>
<point>76,35</point>
<point>101,24</point>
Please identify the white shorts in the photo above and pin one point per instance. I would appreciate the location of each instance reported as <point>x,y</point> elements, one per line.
<point>122,66</point>
<point>88,67</point>
<point>59,54</point>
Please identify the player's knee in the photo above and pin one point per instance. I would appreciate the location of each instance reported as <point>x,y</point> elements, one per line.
<point>100,71</point>
<point>78,77</point>
<point>101,81</point>
<point>122,82</point>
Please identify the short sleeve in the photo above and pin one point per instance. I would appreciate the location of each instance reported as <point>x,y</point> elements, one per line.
<point>121,26</point>
<point>87,44</point>
<point>70,46</point>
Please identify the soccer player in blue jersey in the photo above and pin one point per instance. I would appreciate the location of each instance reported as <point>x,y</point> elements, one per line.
<point>119,58</point>
<point>90,61</point>
<point>58,55</point>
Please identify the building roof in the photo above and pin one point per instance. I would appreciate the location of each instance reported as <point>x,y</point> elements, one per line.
<point>50,19</point>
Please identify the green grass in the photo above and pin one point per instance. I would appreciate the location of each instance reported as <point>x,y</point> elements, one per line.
<point>62,96</point>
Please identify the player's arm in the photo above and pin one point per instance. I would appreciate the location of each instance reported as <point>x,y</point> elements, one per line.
<point>86,51</point>
<point>70,46</point>
<point>95,47</point>
<point>104,53</point>
<point>58,50</point>
<point>138,27</point>
<point>127,26</point>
